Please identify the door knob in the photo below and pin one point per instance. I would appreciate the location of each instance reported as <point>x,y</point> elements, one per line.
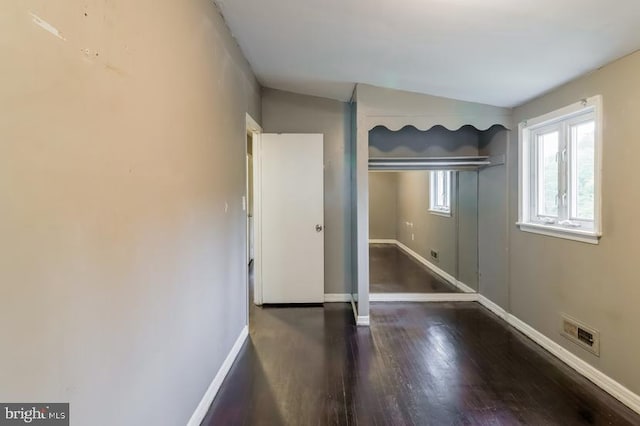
<point>318,228</point>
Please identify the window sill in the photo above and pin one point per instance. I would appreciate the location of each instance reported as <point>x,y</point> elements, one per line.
<point>589,237</point>
<point>440,213</point>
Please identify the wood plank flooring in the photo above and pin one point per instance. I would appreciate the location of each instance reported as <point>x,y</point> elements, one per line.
<point>418,364</point>
<point>393,271</point>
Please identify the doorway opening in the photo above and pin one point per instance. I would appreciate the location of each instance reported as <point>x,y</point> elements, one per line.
<point>250,223</point>
<point>253,131</point>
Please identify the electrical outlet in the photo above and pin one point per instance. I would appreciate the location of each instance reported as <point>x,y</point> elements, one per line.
<point>413,237</point>
<point>435,255</point>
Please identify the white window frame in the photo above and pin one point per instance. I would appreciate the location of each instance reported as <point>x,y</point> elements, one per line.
<point>434,208</point>
<point>561,119</point>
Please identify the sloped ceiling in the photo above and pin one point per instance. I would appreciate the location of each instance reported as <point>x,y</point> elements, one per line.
<point>498,52</point>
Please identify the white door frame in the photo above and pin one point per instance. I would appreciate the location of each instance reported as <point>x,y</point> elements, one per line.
<point>255,130</point>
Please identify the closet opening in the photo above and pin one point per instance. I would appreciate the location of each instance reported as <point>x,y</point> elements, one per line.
<point>423,212</point>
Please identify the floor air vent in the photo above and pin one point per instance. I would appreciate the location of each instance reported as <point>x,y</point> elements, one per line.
<point>582,335</point>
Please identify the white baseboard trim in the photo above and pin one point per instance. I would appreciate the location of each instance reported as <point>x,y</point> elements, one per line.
<point>450,278</point>
<point>463,287</point>
<point>337,297</point>
<point>447,276</point>
<point>363,320</point>
<point>606,383</point>
<point>382,241</point>
<point>214,387</point>
<point>493,307</point>
<point>354,308</point>
<point>609,385</point>
<point>423,297</point>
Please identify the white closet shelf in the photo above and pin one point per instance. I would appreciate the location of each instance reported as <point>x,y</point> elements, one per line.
<point>434,163</point>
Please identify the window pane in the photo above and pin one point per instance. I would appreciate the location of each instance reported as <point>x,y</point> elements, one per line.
<point>446,179</point>
<point>440,197</point>
<point>439,189</point>
<point>583,170</point>
<point>548,174</point>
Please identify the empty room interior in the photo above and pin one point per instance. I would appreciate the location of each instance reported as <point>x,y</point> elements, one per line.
<point>241,212</point>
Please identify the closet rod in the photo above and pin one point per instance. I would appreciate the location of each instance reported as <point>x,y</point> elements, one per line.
<point>428,163</point>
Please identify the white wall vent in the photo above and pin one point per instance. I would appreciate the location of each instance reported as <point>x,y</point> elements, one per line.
<point>581,334</point>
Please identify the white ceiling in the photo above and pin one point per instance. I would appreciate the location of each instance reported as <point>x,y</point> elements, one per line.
<point>498,52</point>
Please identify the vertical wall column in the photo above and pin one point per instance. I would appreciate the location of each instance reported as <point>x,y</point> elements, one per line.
<point>362,225</point>
<point>493,223</point>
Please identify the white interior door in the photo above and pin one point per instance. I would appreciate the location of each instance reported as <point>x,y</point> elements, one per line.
<point>250,229</point>
<point>251,239</point>
<point>292,201</point>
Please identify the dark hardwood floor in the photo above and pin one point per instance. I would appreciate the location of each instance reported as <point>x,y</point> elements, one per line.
<point>418,364</point>
<point>393,271</point>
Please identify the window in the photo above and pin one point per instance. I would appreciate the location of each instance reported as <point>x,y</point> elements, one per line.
<point>560,172</point>
<point>440,193</point>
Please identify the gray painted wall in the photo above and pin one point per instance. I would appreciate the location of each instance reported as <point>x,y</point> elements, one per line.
<point>430,231</point>
<point>284,112</point>
<point>597,284</point>
<point>467,215</point>
<point>383,193</point>
<point>492,220</point>
<point>399,197</point>
<point>123,278</point>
